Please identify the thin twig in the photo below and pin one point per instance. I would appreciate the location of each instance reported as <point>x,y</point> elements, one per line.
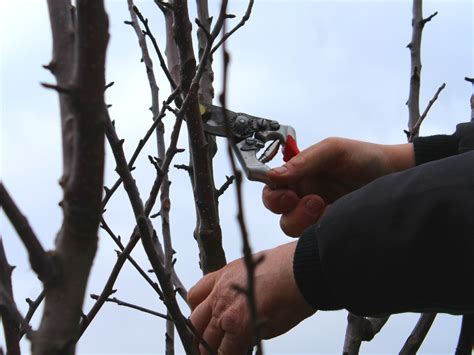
<point>150,35</point>
<point>146,236</point>
<point>142,272</point>
<point>133,306</point>
<point>229,180</point>
<point>110,191</point>
<point>242,22</point>
<point>107,290</point>
<point>40,261</point>
<point>206,89</point>
<point>164,199</point>
<point>416,127</point>
<point>250,263</point>
<point>32,307</point>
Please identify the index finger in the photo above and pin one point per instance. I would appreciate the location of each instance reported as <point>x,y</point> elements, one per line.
<point>201,289</point>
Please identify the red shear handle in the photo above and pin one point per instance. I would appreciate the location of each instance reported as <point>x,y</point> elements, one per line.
<point>290,149</point>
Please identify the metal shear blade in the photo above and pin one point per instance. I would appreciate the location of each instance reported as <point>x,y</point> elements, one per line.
<point>249,134</point>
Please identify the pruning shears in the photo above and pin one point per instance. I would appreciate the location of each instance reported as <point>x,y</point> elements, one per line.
<point>248,136</point>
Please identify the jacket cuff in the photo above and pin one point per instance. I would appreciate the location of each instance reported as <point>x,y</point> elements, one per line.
<point>308,273</point>
<point>434,147</point>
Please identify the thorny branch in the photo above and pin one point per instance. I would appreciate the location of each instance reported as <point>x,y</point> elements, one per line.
<point>146,236</point>
<point>110,191</point>
<point>142,272</point>
<point>164,199</point>
<point>128,249</point>
<point>133,306</point>
<point>135,235</point>
<point>250,263</point>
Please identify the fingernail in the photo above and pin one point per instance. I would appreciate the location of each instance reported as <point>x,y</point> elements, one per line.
<point>280,170</point>
<point>313,207</point>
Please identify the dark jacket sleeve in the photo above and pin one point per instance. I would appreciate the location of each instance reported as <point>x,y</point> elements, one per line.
<point>404,242</point>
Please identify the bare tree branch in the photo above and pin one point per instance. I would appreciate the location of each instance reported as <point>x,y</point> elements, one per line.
<point>40,261</point>
<point>206,90</point>
<point>416,128</point>
<point>32,307</point>
<point>360,329</point>
<point>466,336</point>
<point>165,201</point>
<point>415,72</point>
<point>208,232</point>
<point>79,61</point>
<point>242,22</point>
<point>108,288</point>
<point>145,230</point>
<point>11,326</point>
<point>142,272</point>
<point>250,263</point>
<point>418,334</point>
<point>110,191</point>
<point>171,50</point>
<point>133,306</point>
<point>229,180</point>
<point>148,33</point>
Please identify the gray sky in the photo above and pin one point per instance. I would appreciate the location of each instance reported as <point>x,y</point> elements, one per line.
<point>329,68</point>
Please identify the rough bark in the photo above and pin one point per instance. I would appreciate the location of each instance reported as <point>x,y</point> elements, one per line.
<point>11,327</point>
<point>415,70</point>
<point>466,336</point>
<point>208,232</point>
<point>418,334</point>
<point>360,329</point>
<point>79,67</point>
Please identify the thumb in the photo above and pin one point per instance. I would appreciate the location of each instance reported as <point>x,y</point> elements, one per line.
<point>292,171</point>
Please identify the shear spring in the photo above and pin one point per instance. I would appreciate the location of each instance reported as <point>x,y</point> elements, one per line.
<point>270,152</point>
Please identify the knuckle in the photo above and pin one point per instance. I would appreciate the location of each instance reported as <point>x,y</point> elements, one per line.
<point>232,321</point>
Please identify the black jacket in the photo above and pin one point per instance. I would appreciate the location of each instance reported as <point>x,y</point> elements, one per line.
<point>404,242</point>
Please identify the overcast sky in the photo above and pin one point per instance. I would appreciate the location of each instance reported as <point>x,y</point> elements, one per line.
<point>329,68</point>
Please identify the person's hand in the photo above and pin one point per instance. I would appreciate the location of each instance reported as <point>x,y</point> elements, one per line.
<point>221,313</point>
<point>321,174</point>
